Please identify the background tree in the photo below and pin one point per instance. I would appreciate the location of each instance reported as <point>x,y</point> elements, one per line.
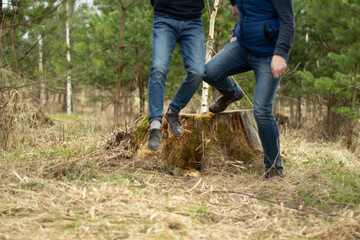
<point>330,67</point>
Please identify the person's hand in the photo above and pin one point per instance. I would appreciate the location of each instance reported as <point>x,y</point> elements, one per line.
<point>235,13</point>
<point>278,66</point>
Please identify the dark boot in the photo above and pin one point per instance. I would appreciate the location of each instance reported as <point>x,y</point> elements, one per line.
<point>154,141</point>
<point>221,103</point>
<point>175,125</point>
<point>273,172</point>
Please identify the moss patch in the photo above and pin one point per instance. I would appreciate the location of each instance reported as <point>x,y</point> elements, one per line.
<point>141,131</point>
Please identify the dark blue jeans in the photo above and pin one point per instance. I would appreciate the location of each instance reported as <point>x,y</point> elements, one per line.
<point>190,36</point>
<point>234,59</point>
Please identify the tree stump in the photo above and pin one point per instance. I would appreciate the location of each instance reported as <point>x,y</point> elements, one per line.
<point>233,135</point>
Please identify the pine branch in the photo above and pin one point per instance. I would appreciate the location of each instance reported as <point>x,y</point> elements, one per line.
<point>33,19</point>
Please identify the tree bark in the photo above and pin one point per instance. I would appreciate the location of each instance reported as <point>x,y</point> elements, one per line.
<point>298,113</point>
<point>139,80</point>
<point>208,55</point>
<point>1,14</point>
<point>41,70</point>
<point>13,50</point>
<point>121,64</point>
<point>68,72</point>
<point>219,137</point>
<point>291,113</point>
<point>353,101</point>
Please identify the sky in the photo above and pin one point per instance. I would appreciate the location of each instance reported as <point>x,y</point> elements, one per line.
<point>90,2</point>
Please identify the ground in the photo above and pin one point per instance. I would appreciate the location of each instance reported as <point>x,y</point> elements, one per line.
<point>61,183</point>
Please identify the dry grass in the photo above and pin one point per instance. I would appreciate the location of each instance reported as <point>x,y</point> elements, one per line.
<point>67,186</point>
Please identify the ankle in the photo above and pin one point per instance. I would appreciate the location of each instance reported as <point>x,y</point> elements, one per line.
<point>155,124</point>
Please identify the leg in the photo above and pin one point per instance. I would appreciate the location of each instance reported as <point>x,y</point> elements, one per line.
<point>164,40</point>
<point>229,61</point>
<point>265,89</point>
<point>191,40</point>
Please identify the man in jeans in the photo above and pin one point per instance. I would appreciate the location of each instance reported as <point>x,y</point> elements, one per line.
<point>265,34</point>
<point>175,21</point>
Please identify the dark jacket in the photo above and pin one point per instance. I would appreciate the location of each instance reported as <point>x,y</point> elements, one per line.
<point>178,9</point>
<point>266,27</point>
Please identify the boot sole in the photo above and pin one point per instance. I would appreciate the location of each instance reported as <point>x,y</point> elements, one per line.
<point>171,130</point>
<point>241,97</point>
<point>154,149</point>
<point>174,133</point>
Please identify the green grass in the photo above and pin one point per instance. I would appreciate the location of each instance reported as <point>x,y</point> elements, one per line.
<point>36,186</point>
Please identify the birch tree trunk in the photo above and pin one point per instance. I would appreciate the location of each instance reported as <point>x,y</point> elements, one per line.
<point>68,72</point>
<point>41,70</point>
<point>209,48</point>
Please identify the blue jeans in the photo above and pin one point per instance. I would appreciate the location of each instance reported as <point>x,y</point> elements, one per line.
<point>190,36</point>
<point>234,59</point>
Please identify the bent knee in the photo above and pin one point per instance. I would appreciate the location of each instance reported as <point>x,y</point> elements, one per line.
<point>262,111</point>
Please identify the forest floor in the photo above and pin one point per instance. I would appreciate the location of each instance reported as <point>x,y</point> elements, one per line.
<point>61,183</point>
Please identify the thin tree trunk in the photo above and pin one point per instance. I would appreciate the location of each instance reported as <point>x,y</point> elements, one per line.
<point>291,113</point>
<point>142,95</point>
<point>1,14</point>
<point>68,72</point>
<point>298,112</point>
<point>314,114</point>
<point>117,103</point>
<point>130,108</point>
<point>121,64</point>
<point>214,91</point>
<point>355,88</point>
<point>328,114</point>
<point>102,94</point>
<point>13,49</point>
<point>209,49</point>
<point>125,107</point>
<point>41,70</point>
<point>139,81</point>
<point>353,101</point>
<point>218,33</point>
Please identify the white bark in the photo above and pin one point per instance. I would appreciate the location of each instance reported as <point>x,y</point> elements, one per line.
<point>41,70</point>
<point>209,50</point>
<point>68,72</point>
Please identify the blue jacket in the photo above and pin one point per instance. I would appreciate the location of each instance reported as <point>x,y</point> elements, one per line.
<point>266,27</point>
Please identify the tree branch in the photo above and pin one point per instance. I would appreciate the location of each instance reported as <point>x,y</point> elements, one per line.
<point>32,19</point>
<point>124,6</point>
<point>28,51</point>
<point>130,4</point>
